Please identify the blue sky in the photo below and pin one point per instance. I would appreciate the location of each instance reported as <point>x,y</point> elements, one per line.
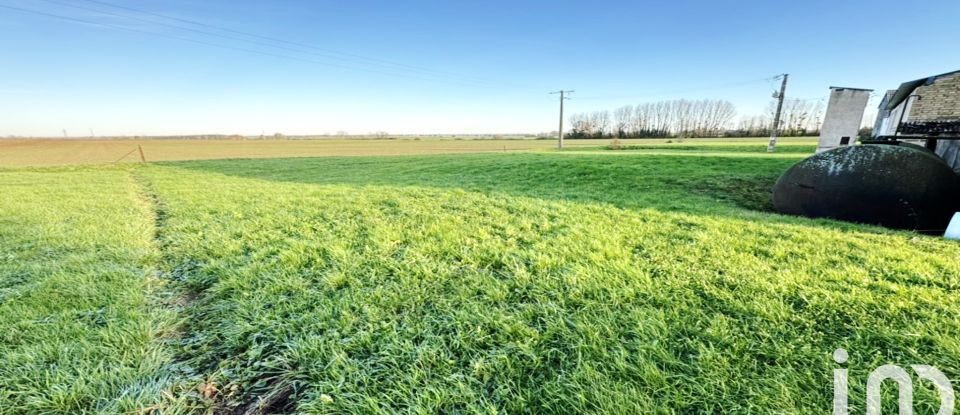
<point>489,65</point>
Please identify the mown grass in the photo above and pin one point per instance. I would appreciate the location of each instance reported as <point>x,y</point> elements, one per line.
<point>78,333</point>
<point>587,282</point>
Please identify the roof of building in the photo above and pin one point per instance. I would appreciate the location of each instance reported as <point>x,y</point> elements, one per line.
<point>841,88</point>
<point>907,88</point>
<point>886,99</point>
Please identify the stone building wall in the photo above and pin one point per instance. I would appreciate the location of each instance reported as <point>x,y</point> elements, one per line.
<point>939,101</point>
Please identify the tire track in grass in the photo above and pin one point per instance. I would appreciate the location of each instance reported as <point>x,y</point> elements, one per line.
<point>194,389</point>
<point>77,329</point>
<point>170,300</point>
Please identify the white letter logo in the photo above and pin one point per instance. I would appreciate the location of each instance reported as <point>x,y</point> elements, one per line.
<point>904,387</point>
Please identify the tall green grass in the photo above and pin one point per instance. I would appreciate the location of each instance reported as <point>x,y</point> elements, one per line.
<point>539,284</point>
<point>78,333</point>
<point>591,282</point>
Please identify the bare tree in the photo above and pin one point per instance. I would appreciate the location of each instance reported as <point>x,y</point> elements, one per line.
<point>799,116</point>
<point>600,121</point>
<point>682,118</point>
<point>621,120</point>
<point>580,126</point>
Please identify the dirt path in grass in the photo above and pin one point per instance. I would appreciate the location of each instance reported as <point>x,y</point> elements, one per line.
<point>192,391</point>
<point>79,332</point>
<point>168,299</point>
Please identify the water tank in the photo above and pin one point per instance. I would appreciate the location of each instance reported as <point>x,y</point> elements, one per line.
<point>894,186</point>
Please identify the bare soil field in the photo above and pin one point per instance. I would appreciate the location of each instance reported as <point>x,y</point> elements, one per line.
<point>52,152</point>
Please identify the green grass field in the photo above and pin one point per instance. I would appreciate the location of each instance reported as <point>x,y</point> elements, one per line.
<point>652,279</point>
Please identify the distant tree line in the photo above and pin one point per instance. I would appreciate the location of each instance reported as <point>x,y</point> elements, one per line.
<point>688,118</point>
<point>798,118</point>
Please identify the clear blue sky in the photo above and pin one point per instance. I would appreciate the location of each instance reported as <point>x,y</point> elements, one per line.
<point>504,56</point>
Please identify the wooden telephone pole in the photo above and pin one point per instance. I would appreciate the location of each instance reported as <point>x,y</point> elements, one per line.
<point>562,98</point>
<point>776,118</point>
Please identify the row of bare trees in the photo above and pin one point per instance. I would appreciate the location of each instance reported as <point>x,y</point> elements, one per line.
<point>799,117</point>
<point>686,118</point>
<point>682,117</point>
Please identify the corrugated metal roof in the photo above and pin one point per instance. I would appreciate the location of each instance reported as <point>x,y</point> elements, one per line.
<point>907,88</point>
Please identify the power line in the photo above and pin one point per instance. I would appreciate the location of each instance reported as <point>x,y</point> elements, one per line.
<point>209,33</point>
<point>90,22</point>
<point>230,47</point>
<point>327,52</point>
<point>108,13</point>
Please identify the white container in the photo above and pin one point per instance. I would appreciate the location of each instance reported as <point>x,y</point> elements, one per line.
<point>953,229</point>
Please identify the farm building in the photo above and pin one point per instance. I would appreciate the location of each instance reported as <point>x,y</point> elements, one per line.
<point>877,183</point>
<point>926,109</point>
<point>844,115</point>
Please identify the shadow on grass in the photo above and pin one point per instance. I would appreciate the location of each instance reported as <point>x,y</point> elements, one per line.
<point>699,184</point>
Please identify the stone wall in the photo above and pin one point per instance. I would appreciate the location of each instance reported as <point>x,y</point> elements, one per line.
<point>938,101</point>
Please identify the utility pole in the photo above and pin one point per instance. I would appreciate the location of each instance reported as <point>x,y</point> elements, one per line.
<point>560,134</point>
<point>776,118</point>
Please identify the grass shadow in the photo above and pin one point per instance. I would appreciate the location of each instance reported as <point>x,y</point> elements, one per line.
<point>699,184</point>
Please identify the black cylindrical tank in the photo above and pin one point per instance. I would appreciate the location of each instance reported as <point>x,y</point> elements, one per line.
<point>894,186</point>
